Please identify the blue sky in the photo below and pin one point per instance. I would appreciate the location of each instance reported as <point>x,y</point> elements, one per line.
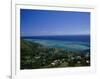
<point>44,22</point>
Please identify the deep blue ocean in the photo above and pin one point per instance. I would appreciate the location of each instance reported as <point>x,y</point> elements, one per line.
<point>69,42</point>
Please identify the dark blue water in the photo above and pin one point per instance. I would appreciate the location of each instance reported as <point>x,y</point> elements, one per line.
<point>81,38</point>
<point>69,42</point>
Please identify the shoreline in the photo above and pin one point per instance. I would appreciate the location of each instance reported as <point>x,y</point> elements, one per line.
<point>36,56</point>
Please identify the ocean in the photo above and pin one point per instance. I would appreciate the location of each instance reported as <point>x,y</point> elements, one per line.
<point>68,42</point>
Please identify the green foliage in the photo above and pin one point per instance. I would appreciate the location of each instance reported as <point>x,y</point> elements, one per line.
<point>34,56</point>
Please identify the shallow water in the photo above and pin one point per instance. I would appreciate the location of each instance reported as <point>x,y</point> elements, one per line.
<point>69,45</point>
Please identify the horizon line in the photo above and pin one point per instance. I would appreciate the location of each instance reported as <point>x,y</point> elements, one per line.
<point>55,35</point>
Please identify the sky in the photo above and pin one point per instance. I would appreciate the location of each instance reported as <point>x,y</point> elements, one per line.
<point>46,22</point>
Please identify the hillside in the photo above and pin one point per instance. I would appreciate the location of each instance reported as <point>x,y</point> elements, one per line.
<point>35,56</point>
